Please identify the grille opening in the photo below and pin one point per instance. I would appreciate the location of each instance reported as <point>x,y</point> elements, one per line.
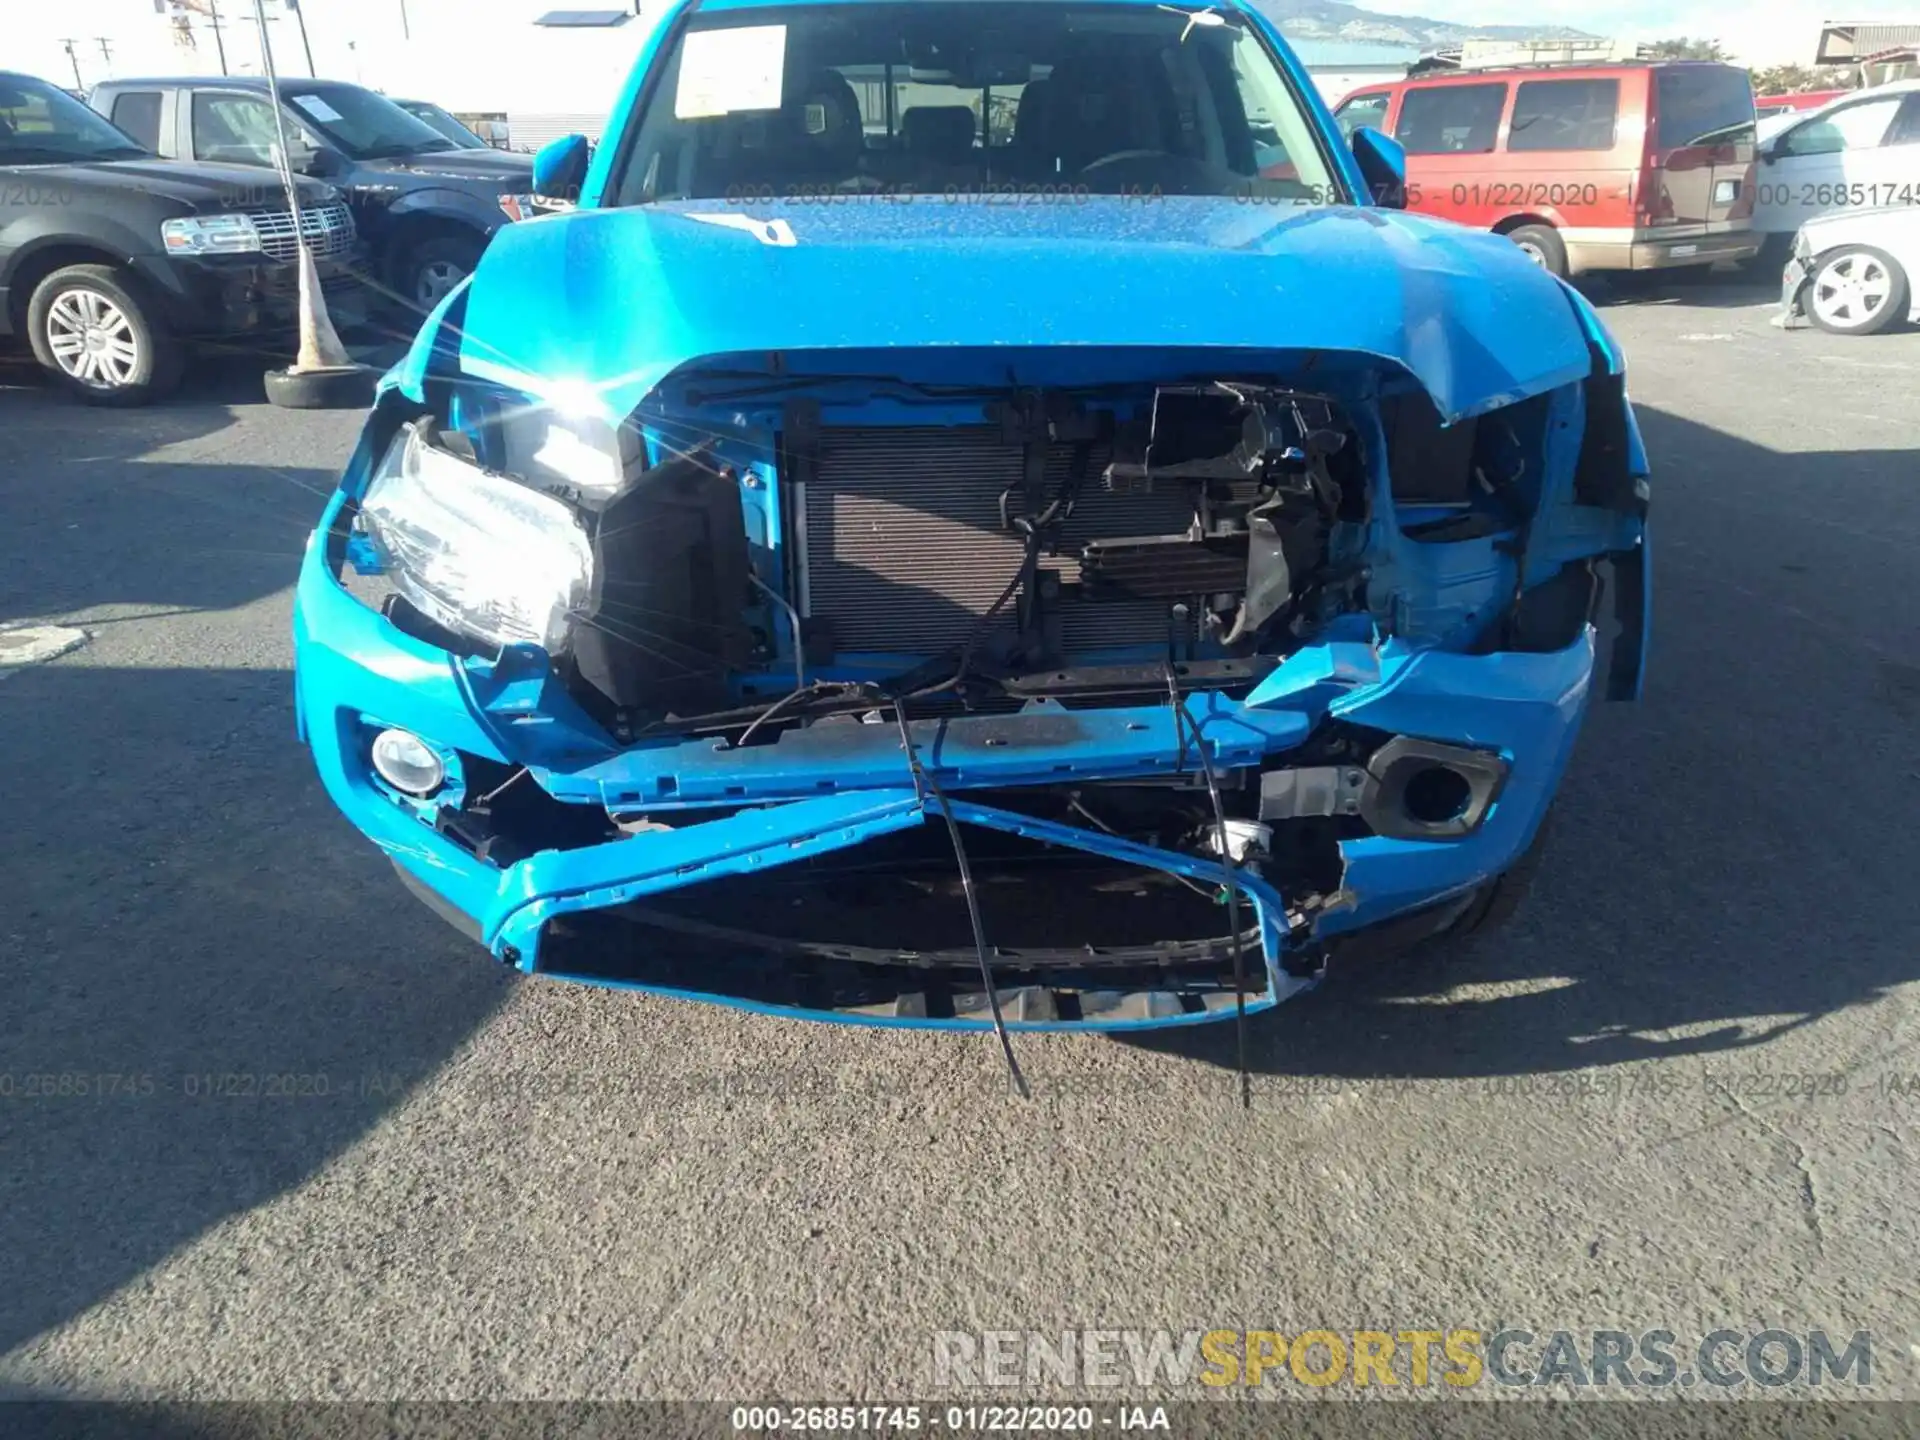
<point>883,928</point>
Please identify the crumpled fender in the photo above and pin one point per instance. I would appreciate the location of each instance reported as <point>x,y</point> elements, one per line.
<point>619,299</point>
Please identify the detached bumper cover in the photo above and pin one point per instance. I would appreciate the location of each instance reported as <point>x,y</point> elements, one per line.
<point>355,668</point>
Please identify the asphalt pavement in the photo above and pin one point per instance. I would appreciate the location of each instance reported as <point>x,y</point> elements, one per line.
<point>1672,1095</point>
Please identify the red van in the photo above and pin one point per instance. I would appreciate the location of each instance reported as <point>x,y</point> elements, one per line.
<point>1628,166</point>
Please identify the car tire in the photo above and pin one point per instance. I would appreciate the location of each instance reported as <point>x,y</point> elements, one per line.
<point>97,336</point>
<point>1542,245</point>
<point>346,387</point>
<point>1497,900</point>
<point>1856,290</point>
<point>424,273</point>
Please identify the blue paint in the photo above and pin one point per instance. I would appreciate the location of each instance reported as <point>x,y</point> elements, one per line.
<point>634,308</point>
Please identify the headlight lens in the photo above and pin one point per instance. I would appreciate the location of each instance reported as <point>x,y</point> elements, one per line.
<point>210,235</point>
<point>478,553</point>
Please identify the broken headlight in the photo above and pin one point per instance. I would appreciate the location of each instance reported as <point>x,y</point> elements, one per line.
<point>479,553</point>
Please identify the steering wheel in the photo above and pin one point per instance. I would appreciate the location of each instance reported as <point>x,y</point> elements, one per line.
<point>1118,155</point>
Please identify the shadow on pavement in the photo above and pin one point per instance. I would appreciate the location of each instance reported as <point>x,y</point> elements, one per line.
<point>138,506</point>
<point>1719,873</point>
<point>214,986</point>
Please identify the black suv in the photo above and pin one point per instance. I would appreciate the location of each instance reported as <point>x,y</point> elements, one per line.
<point>425,206</point>
<point>112,261</point>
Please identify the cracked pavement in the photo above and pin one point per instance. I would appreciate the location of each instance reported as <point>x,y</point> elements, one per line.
<point>1679,1092</point>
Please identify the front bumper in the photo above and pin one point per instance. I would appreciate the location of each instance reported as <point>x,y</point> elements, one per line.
<point>1628,249</point>
<point>216,297</point>
<point>356,670</point>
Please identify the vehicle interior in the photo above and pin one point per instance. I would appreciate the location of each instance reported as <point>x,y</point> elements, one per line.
<point>934,98</point>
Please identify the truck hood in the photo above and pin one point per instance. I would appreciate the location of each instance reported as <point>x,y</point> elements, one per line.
<point>198,186</point>
<point>483,169</point>
<point>619,299</point>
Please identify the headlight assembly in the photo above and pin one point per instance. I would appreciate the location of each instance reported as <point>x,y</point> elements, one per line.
<point>478,553</point>
<point>210,235</point>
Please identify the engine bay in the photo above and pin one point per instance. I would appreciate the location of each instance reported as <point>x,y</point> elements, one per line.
<point>1039,543</point>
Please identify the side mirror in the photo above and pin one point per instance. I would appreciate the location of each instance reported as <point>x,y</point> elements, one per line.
<point>560,168</point>
<point>1383,165</point>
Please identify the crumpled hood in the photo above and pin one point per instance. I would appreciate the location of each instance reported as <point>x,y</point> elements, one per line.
<point>622,298</point>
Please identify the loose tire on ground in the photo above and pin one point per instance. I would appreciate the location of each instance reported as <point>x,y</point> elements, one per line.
<point>346,388</point>
<point>98,337</point>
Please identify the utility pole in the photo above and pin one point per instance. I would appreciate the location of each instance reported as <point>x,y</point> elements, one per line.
<point>213,19</point>
<point>74,60</point>
<point>406,31</point>
<point>305,44</point>
<point>106,51</point>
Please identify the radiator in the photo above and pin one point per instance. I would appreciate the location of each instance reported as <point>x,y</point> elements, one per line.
<point>904,548</point>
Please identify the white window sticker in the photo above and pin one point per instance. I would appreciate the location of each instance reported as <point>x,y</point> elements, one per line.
<point>722,71</point>
<point>314,108</point>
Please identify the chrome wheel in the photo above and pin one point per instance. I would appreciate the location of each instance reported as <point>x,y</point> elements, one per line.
<point>92,339</point>
<point>1533,252</point>
<point>434,280</point>
<point>1850,291</point>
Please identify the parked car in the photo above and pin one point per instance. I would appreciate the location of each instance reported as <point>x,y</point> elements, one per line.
<point>1853,271</point>
<point>1861,151</point>
<point>1769,107</point>
<point>1145,577</point>
<point>444,122</point>
<point>114,262</point>
<point>426,207</point>
<point>1626,166</point>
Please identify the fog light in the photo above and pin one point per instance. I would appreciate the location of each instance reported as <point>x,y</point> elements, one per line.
<point>407,763</point>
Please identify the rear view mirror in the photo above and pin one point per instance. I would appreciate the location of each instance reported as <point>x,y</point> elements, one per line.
<point>560,168</point>
<point>1383,165</point>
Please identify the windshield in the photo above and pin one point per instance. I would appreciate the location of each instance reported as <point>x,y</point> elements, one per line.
<point>42,125</point>
<point>933,98</point>
<point>365,125</point>
<point>443,123</point>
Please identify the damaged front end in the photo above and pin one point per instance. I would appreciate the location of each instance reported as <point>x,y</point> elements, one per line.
<point>1217,656</point>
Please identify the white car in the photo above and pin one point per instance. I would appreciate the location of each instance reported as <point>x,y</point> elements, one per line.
<point>1853,272</point>
<point>1858,152</point>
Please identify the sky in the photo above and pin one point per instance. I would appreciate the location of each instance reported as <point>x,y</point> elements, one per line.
<point>469,63</point>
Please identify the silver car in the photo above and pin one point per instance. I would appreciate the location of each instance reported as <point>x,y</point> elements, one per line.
<point>1852,272</point>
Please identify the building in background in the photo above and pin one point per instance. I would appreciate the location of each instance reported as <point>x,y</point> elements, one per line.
<point>1876,52</point>
<point>1339,67</point>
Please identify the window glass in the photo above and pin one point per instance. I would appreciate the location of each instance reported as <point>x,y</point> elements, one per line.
<point>1851,127</point>
<point>1906,125</point>
<point>1564,115</point>
<point>1451,119</point>
<point>1692,102</point>
<point>40,125</point>
<point>237,129</point>
<point>853,97</point>
<point>1363,110</point>
<point>138,113</point>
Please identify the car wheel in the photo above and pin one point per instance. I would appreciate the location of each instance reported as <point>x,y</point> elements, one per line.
<point>1542,245</point>
<point>1856,291</point>
<point>1497,900</point>
<point>98,339</point>
<point>430,270</point>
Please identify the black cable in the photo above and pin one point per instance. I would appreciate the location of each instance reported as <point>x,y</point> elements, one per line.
<point>1181,722</point>
<point>923,781</point>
